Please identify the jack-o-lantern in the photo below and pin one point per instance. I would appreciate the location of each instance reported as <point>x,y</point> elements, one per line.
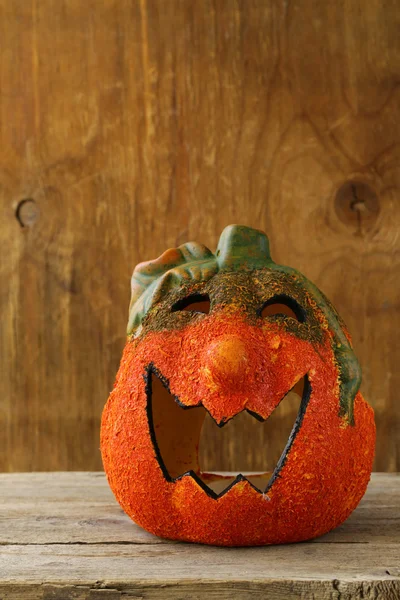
<point>225,333</point>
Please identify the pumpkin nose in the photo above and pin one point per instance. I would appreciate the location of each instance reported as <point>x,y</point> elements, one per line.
<point>227,359</point>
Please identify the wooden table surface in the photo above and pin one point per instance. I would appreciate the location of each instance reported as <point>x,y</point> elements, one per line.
<point>64,536</point>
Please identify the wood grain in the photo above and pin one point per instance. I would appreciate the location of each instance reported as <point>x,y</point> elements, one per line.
<point>63,536</point>
<point>133,126</point>
<point>63,508</point>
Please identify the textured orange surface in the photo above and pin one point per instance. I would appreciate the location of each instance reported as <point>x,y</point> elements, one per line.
<point>326,471</point>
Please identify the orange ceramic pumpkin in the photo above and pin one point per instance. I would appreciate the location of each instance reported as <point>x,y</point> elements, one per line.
<point>233,331</point>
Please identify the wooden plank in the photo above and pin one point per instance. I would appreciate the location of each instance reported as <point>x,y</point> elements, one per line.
<point>141,125</point>
<point>273,590</point>
<point>64,537</point>
<point>66,508</point>
<point>80,508</point>
<point>149,570</point>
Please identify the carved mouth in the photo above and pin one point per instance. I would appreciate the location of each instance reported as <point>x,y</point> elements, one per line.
<point>175,432</point>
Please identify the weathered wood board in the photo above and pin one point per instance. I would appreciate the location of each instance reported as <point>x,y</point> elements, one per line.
<point>63,536</point>
<point>127,127</point>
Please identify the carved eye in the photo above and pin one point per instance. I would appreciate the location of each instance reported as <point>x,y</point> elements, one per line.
<point>197,303</point>
<point>283,306</point>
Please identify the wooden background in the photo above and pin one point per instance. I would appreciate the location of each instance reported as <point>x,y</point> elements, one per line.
<point>130,126</point>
